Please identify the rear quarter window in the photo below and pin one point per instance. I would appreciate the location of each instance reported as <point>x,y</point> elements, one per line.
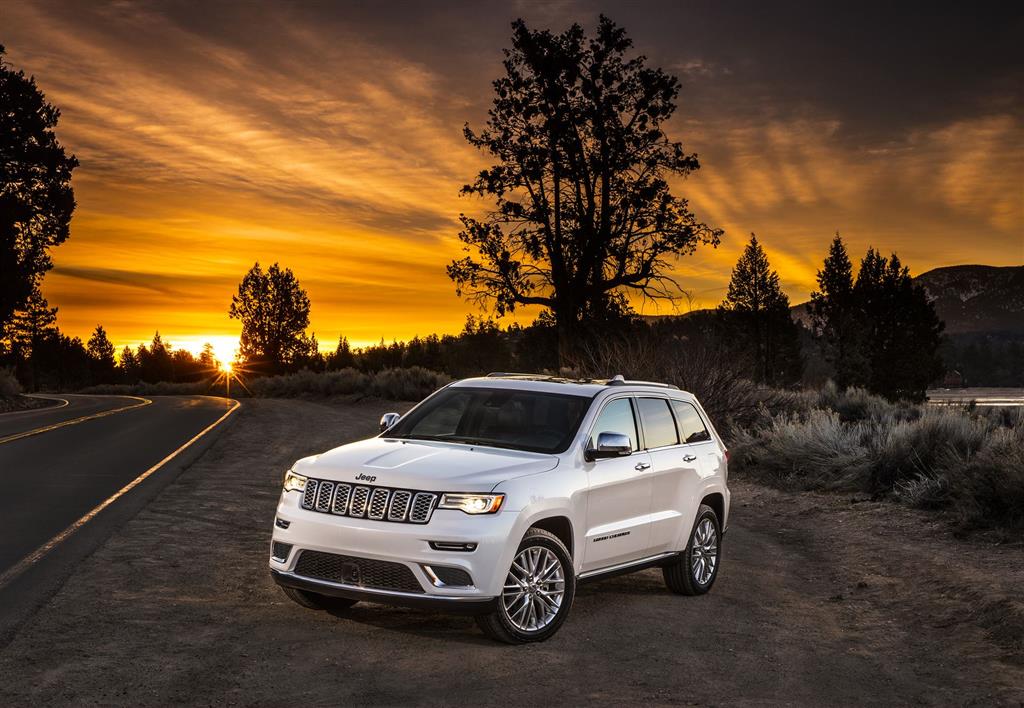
<point>691,426</point>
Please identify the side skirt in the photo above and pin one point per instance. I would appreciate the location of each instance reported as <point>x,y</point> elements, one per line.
<point>630,567</point>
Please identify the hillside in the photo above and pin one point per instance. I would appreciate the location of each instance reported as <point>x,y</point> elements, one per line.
<point>977,298</point>
<point>970,299</point>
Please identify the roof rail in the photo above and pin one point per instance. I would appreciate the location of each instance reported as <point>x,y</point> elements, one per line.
<point>505,374</point>
<point>620,380</point>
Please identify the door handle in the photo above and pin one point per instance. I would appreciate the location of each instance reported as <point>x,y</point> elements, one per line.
<point>689,458</point>
<point>641,466</point>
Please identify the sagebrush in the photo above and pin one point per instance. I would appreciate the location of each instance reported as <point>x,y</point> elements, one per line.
<point>966,461</point>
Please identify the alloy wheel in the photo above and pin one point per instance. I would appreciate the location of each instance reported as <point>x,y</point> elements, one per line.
<point>704,552</point>
<point>534,589</point>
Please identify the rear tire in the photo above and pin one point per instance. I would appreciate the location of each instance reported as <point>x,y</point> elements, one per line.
<point>697,567</point>
<point>314,601</point>
<point>537,592</point>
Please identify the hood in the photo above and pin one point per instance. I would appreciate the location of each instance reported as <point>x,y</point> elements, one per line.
<point>421,464</point>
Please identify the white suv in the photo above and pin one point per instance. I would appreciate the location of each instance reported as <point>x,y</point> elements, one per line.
<point>494,496</point>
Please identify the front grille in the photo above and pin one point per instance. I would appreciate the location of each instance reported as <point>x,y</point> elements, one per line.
<point>377,503</point>
<point>360,572</point>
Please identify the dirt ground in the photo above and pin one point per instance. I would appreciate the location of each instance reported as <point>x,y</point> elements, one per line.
<point>821,601</point>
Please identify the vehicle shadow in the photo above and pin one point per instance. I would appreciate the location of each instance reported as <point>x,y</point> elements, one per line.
<point>420,623</point>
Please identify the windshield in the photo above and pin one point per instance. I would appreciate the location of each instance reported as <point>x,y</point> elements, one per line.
<point>519,420</point>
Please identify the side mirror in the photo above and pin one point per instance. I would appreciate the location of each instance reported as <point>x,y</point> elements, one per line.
<point>610,445</point>
<point>387,420</point>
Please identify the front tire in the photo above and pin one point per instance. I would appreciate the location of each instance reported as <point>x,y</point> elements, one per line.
<point>315,601</point>
<point>537,593</point>
<point>695,571</point>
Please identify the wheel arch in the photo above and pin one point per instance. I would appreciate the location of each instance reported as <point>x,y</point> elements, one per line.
<point>560,526</point>
<point>716,500</point>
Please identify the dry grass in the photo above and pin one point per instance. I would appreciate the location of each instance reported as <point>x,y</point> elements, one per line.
<point>967,463</point>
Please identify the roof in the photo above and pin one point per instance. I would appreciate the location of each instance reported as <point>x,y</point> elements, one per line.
<point>557,384</point>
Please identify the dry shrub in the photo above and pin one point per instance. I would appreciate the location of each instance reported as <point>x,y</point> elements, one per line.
<point>162,388</point>
<point>966,463</point>
<point>818,451</point>
<point>407,384</point>
<point>9,386</point>
<point>702,368</point>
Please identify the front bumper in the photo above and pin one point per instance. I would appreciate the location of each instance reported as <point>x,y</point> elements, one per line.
<point>452,605</point>
<point>405,543</point>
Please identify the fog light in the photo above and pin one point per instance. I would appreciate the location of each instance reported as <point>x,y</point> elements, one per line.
<point>281,523</point>
<point>452,546</point>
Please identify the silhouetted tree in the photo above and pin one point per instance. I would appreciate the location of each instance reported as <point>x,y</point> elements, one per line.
<point>836,318</point>
<point>129,365</point>
<point>902,331</point>
<point>155,363</point>
<point>101,354</point>
<point>756,303</point>
<point>274,311</point>
<point>342,357</point>
<point>583,206</point>
<point>309,356</point>
<point>208,359</point>
<point>30,328</point>
<point>62,363</point>
<point>36,199</point>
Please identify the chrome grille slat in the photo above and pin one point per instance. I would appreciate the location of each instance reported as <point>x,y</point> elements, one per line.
<point>324,495</point>
<point>378,503</point>
<point>399,505</point>
<point>422,506</point>
<point>359,498</point>
<point>309,496</point>
<point>341,496</point>
<point>366,502</point>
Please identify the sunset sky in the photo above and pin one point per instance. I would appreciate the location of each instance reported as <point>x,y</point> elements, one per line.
<point>327,136</point>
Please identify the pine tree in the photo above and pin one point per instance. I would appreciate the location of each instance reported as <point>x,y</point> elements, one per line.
<point>342,358</point>
<point>902,331</point>
<point>208,358</point>
<point>756,299</point>
<point>836,318</point>
<point>31,327</point>
<point>101,355</point>
<point>129,365</point>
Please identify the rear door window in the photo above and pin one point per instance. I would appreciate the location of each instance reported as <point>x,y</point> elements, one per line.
<point>691,427</point>
<point>659,427</point>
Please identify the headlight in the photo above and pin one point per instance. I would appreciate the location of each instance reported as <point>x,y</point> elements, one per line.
<point>294,482</point>
<point>472,503</point>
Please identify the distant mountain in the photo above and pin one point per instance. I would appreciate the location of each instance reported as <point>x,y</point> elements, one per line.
<point>970,299</point>
<point>977,298</point>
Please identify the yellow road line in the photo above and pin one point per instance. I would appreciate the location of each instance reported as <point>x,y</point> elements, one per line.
<point>101,414</point>
<point>37,555</point>
<point>63,402</point>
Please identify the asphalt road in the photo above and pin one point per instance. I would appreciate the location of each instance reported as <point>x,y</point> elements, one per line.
<point>68,407</point>
<point>57,464</point>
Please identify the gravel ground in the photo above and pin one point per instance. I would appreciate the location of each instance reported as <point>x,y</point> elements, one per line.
<point>820,601</point>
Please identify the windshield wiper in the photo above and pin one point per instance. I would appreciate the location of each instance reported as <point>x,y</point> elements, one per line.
<point>459,439</point>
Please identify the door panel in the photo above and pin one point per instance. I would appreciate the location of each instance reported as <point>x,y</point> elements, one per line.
<point>619,494</point>
<point>675,489</point>
<point>618,511</point>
